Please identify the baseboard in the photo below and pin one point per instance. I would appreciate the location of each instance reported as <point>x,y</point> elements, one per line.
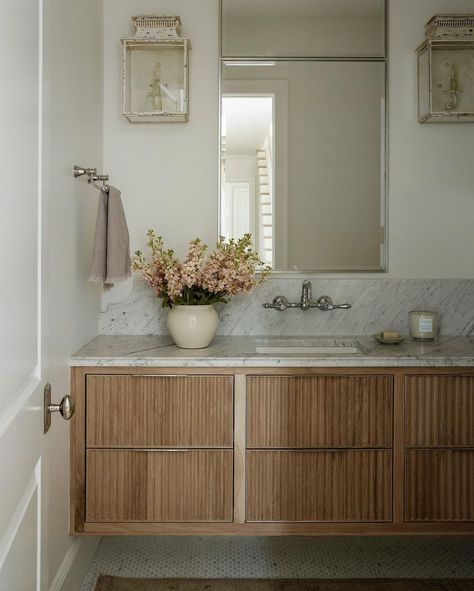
<point>74,567</point>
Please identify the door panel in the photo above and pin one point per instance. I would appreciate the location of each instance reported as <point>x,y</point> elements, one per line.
<point>23,551</point>
<point>319,485</point>
<point>21,443</point>
<point>19,165</point>
<point>319,411</point>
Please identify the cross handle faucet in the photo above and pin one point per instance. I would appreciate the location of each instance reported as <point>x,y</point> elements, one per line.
<point>323,303</point>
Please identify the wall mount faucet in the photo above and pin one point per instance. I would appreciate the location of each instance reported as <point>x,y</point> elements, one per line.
<point>324,303</point>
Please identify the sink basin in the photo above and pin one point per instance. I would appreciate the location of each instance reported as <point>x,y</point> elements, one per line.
<point>320,346</point>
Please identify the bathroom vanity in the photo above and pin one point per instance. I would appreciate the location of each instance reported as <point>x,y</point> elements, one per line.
<point>230,441</point>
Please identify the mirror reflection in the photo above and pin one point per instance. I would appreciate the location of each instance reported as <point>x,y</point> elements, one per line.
<point>303,151</point>
<point>247,170</point>
<point>303,162</point>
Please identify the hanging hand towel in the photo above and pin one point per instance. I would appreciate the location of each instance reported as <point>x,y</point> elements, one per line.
<point>111,254</point>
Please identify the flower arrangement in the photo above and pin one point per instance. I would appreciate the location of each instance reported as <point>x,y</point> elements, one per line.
<point>203,278</point>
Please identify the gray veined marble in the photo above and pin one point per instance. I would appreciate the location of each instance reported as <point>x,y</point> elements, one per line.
<point>241,351</point>
<point>377,304</point>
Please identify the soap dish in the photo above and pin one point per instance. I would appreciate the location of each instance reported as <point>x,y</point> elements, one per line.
<point>390,341</point>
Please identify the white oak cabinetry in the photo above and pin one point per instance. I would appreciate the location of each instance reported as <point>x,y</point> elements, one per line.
<point>272,451</point>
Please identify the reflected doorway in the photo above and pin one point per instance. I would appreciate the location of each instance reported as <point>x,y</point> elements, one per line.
<point>247,194</point>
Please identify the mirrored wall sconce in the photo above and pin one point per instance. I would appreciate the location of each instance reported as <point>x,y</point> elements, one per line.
<point>155,71</point>
<point>446,70</point>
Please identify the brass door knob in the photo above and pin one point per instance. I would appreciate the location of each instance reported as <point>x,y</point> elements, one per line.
<point>65,407</point>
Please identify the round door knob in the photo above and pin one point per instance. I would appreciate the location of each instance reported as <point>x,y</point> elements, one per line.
<point>65,407</point>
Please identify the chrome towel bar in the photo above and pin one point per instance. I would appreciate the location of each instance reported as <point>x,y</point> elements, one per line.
<point>92,177</point>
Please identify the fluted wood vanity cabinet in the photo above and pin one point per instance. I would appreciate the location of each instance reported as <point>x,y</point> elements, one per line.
<point>272,450</point>
<point>439,440</point>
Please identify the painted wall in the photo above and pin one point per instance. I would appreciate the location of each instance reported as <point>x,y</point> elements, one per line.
<point>168,173</point>
<point>73,135</point>
<point>431,201</point>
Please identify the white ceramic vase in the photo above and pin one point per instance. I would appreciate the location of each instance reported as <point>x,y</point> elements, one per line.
<point>192,327</point>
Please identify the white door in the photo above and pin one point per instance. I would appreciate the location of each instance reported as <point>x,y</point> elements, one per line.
<point>238,208</point>
<point>21,345</point>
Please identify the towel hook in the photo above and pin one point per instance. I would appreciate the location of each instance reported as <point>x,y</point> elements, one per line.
<point>92,177</point>
<point>103,178</point>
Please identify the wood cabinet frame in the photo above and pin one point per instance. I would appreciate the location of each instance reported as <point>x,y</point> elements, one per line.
<point>398,525</point>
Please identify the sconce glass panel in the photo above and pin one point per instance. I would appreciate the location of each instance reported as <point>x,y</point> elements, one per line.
<point>446,83</point>
<point>446,70</point>
<point>155,80</point>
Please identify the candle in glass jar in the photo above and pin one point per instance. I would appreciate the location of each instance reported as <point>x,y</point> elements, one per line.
<point>423,325</point>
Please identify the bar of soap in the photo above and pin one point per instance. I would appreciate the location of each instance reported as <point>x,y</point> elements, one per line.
<point>390,334</point>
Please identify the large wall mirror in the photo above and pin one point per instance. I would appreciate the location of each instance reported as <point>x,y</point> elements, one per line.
<point>303,131</point>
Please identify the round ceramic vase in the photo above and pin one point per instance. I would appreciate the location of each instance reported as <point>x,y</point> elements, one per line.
<point>192,327</point>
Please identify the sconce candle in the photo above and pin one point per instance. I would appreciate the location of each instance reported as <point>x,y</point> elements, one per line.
<point>423,325</point>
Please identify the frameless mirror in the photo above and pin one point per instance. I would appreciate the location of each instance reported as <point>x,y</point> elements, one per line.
<point>303,141</point>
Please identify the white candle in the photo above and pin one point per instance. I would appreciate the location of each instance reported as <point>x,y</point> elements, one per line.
<point>423,325</point>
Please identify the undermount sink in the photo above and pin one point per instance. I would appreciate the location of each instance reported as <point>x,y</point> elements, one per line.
<point>319,346</point>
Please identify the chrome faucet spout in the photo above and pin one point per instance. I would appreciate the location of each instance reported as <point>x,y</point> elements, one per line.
<point>306,295</point>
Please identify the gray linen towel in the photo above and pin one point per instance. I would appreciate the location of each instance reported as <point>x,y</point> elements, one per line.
<point>111,255</point>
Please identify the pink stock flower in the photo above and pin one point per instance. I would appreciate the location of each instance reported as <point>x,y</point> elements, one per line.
<point>203,278</point>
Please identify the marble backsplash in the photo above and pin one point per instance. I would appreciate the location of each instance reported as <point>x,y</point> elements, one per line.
<point>377,304</point>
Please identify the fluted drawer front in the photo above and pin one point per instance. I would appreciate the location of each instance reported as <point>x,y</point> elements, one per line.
<point>440,411</point>
<point>440,485</point>
<point>159,411</point>
<point>319,411</point>
<point>319,485</point>
<point>159,486</point>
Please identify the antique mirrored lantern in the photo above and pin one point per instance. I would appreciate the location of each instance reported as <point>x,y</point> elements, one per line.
<point>155,71</point>
<point>446,70</point>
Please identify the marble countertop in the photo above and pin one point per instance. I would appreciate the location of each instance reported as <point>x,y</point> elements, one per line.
<point>240,351</point>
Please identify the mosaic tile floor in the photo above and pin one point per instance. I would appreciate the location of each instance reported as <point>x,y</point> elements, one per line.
<point>357,557</point>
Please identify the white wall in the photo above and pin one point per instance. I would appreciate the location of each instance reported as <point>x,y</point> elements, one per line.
<point>73,135</point>
<point>240,167</point>
<point>431,203</point>
<point>168,173</point>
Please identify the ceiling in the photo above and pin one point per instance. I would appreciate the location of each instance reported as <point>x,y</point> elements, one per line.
<point>245,123</point>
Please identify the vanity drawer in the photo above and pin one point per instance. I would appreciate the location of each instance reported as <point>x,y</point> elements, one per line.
<point>159,411</point>
<point>439,411</point>
<point>159,486</point>
<point>319,485</point>
<point>439,485</point>
<point>319,411</point>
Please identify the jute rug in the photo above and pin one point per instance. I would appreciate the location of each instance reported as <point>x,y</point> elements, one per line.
<point>109,583</point>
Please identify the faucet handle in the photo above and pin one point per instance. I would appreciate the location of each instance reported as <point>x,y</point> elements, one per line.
<point>325,303</point>
<point>279,303</point>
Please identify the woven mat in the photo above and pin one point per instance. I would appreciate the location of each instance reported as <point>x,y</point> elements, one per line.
<point>110,583</point>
